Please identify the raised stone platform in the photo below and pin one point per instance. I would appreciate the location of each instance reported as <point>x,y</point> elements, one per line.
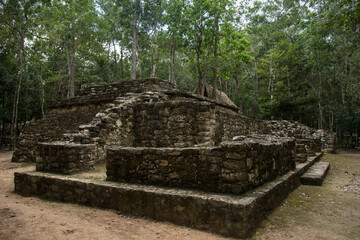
<point>316,174</point>
<point>228,215</point>
<point>176,156</point>
<point>235,167</point>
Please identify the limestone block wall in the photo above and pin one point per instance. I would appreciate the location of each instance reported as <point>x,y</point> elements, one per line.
<point>159,119</point>
<point>59,121</point>
<point>228,215</point>
<point>309,138</point>
<point>230,123</point>
<point>285,128</point>
<point>58,157</point>
<point>133,86</point>
<point>174,123</point>
<point>110,92</point>
<point>151,113</point>
<point>328,140</point>
<point>151,120</point>
<point>234,167</point>
<point>113,126</point>
<point>65,116</point>
<point>312,145</point>
<point>148,119</point>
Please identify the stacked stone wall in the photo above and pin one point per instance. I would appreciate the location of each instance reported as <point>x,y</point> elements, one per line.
<point>133,86</point>
<point>230,123</point>
<point>63,158</point>
<point>328,140</point>
<point>309,140</point>
<point>285,128</point>
<point>228,215</point>
<point>108,93</point>
<point>234,167</point>
<point>151,120</point>
<point>174,123</point>
<point>52,127</point>
<point>159,119</point>
<point>65,116</point>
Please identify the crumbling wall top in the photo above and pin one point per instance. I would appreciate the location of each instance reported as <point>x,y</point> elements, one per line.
<point>109,92</point>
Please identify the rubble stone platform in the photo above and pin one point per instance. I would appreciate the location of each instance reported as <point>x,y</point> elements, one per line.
<point>225,214</point>
<point>316,174</point>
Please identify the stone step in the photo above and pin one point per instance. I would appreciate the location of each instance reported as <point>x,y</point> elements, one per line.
<point>316,174</point>
<point>226,214</point>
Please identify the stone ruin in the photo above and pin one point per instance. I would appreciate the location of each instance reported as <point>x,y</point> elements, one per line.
<point>152,135</point>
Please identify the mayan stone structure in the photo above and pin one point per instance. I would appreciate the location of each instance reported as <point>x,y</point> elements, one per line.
<point>167,146</point>
<point>65,116</point>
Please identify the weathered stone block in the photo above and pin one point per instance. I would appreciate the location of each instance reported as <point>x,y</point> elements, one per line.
<point>235,165</point>
<point>65,158</point>
<point>220,169</point>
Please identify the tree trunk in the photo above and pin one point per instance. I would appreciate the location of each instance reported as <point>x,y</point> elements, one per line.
<point>140,69</point>
<point>3,133</point>
<point>72,67</point>
<point>170,58</point>
<point>115,59</point>
<point>255,84</point>
<point>24,80</point>
<point>42,94</point>
<point>3,122</point>
<point>239,94</point>
<point>215,58</point>
<point>226,86</point>
<point>72,59</point>
<point>14,117</point>
<point>69,69</point>
<point>153,71</point>
<point>256,78</point>
<point>344,85</point>
<point>271,80</point>
<point>331,120</point>
<point>320,123</point>
<point>221,85</point>
<point>109,51</point>
<point>133,49</point>
<point>121,59</point>
<point>42,83</point>
<point>205,73</point>
<point>200,88</point>
<point>173,60</point>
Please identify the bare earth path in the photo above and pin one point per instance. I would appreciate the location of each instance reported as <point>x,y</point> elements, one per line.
<point>328,212</point>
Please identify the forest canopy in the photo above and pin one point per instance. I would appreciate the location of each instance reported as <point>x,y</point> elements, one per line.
<point>291,59</point>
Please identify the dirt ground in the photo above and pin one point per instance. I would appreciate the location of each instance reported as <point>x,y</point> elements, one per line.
<point>331,211</point>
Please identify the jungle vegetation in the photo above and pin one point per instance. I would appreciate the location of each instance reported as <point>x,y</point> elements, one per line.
<point>276,59</point>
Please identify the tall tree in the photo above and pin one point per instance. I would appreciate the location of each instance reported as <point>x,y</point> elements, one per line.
<point>174,19</point>
<point>18,16</point>
<point>155,14</point>
<point>74,24</point>
<point>136,13</point>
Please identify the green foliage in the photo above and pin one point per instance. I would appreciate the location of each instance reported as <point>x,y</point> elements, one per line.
<point>285,59</point>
